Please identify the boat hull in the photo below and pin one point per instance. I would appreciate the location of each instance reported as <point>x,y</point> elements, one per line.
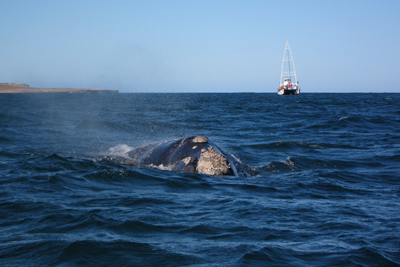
<point>289,91</point>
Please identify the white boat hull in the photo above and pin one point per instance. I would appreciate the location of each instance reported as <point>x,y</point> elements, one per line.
<point>289,91</point>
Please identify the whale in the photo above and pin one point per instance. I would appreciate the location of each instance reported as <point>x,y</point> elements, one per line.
<point>194,154</point>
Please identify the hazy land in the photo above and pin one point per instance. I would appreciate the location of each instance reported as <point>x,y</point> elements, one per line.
<point>13,88</point>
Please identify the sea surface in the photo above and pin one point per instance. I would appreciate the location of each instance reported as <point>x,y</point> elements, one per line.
<point>327,192</point>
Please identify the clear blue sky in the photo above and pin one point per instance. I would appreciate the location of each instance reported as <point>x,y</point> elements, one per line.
<point>201,45</point>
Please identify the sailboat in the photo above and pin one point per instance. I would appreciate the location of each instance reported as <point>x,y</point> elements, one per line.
<point>289,85</point>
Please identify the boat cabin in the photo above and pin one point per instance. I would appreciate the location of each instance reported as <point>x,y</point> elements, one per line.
<point>286,81</point>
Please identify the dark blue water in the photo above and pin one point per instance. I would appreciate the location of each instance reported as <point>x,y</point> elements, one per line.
<point>328,193</point>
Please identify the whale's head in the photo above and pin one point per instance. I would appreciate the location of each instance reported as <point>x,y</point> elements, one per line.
<point>195,154</point>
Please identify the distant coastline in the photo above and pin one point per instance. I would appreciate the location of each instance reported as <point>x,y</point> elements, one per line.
<point>12,88</point>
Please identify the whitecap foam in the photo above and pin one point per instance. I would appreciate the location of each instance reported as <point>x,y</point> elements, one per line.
<point>120,150</point>
<point>161,167</point>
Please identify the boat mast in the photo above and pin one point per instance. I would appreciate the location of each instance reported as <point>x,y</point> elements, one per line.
<point>287,56</point>
<point>294,69</point>
<point>288,59</point>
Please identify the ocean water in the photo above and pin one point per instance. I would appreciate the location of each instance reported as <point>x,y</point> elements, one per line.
<point>327,191</point>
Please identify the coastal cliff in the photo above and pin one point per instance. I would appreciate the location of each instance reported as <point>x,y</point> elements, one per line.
<point>13,88</point>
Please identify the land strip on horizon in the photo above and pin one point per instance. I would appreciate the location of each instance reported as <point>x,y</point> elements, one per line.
<point>25,88</point>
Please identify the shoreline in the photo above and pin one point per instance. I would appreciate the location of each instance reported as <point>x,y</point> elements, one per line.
<point>18,88</point>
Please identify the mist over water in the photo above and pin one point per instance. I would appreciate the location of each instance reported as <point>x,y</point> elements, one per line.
<point>327,193</point>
